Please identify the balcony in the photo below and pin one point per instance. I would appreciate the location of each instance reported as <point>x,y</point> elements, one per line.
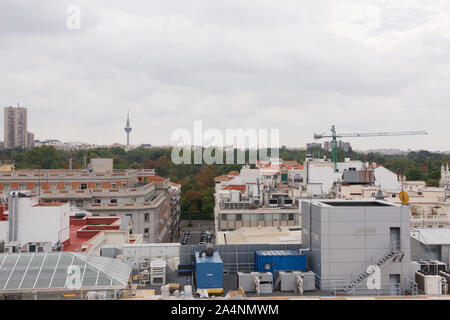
<point>127,206</point>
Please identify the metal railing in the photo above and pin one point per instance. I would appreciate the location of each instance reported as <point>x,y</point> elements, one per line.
<point>351,281</point>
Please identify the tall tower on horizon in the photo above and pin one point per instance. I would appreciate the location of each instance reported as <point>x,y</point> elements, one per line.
<point>128,128</point>
<point>15,126</point>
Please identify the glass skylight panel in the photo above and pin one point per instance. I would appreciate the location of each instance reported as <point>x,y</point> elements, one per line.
<point>60,276</point>
<point>103,279</point>
<point>90,276</point>
<point>7,267</point>
<point>32,272</point>
<point>50,270</point>
<point>47,270</point>
<point>19,271</point>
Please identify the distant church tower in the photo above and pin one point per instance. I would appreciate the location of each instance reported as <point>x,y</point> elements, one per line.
<point>128,128</point>
<point>445,177</point>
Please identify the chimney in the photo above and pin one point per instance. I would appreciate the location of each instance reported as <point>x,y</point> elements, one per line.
<point>70,162</point>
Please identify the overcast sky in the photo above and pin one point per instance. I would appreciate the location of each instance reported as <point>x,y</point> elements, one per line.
<point>295,65</point>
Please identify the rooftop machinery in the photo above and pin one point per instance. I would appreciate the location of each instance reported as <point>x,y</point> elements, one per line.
<point>335,135</point>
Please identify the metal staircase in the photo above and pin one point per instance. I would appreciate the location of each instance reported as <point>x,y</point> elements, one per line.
<point>348,285</point>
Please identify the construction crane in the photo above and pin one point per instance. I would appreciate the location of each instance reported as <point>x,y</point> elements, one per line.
<point>335,135</point>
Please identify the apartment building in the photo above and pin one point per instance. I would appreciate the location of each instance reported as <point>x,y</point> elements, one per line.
<point>15,128</point>
<point>138,194</point>
<point>235,210</point>
<point>29,225</point>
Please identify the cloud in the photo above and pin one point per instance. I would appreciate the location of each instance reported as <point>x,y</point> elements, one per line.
<point>293,65</point>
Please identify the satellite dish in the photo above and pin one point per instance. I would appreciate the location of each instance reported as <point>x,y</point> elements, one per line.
<point>404,198</point>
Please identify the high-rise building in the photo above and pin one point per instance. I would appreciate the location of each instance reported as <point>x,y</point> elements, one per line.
<point>15,124</point>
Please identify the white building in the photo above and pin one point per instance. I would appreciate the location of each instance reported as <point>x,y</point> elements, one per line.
<point>31,221</point>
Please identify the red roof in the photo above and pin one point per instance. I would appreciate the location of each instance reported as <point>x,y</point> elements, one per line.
<point>50,204</point>
<point>156,178</point>
<point>83,230</point>
<point>223,177</point>
<point>233,173</point>
<point>292,165</point>
<point>239,187</point>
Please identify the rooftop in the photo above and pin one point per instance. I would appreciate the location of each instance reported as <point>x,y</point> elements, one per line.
<point>84,229</point>
<point>30,272</point>
<point>355,203</point>
<point>430,236</point>
<point>255,235</point>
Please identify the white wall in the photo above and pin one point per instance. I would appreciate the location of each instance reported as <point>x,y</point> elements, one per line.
<point>386,178</point>
<point>42,223</point>
<point>324,175</point>
<point>349,164</point>
<point>4,231</point>
<point>170,252</point>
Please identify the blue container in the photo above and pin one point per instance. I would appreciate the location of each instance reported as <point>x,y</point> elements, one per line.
<point>208,271</point>
<point>277,260</point>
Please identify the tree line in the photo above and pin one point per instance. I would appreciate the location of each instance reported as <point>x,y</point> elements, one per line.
<point>197,180</point>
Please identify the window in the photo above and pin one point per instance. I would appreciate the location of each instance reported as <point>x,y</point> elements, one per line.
<point>98,186</point>
<point>83,186</point>
<point>52,186</point>
<point>253,217</point>
<point>291,217</point>
<point>231,217</point>
<point>68,186</point>
<point>239,217</point>
<point>113,186</point>
<point>98,201</point>
<point>223,217</point>
<point>261,217</point>
<point>113,200</point>
<point>268,217</point>
<point>283,217</point>
<point>146,217</point>
<point>6,187</point>
<point>22,187</point>
<point>124,184</point>
<point>393,195</point>
<point>276,217</point>
<point>146,232</point>
<point>37,186</point>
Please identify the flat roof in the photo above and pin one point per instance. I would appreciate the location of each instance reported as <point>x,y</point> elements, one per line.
<point>431,236</point>
<point>255,235</point>
<point>357,203</point>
